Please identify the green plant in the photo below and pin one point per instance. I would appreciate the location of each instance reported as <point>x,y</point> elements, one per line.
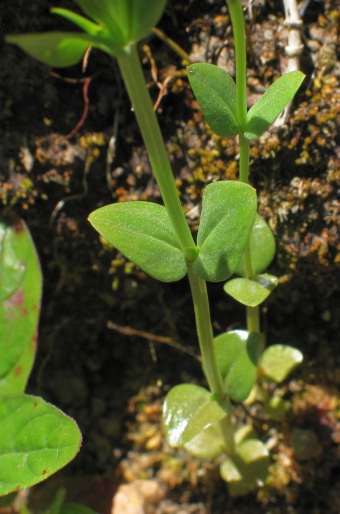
<point>36,439</point>
<point>232,237</point>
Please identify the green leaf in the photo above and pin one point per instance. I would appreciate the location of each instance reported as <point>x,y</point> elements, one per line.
<point>127,21</point>
<point>20,294</point>
<point>88,26</point>
<point>262,114</point>
<point>251,292</point>
<point>142,16</point>
<point>187,411</point>
<point>104,12</point>
<point>262,247</point>
<point>60,49</point>
<point>215,91</point>
<point>143,232</point>
<point>228,212</point>
<point>237,354</point>
<point>246,470</point>
<point>208,444</point>
<point>243,433</point>
<point>36,440</point>
<point>279,360</point>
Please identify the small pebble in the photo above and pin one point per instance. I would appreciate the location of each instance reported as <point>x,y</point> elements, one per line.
<point>138,497</point>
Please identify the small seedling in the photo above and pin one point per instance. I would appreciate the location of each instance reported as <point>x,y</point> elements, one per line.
<point>232,238</point>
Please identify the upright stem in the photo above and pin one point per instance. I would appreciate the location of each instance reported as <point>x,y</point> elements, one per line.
<point>133,76</point>
<point>253,316</point>
<point>244,159</point>
<point>237,19</point>
<point>209,361</point>
<point>205,335</point>
<point>134,81</point>
<point>253,319</point>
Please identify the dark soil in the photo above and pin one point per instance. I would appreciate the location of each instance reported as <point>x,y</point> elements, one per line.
<point>112,378</point>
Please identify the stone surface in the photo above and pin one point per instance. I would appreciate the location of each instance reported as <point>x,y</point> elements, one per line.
<point>139,497</point>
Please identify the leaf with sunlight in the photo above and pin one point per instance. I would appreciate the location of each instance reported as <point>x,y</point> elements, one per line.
<point>36,440</point>
<point>237,353</point>
<point>265,111</point>
<point>228,213</point>
<point>143,232</point>
<point>251,292</point>
<point>215,91</point>
<point>188,410</point>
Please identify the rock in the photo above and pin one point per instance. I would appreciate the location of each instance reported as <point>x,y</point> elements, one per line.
<point>139,497</point>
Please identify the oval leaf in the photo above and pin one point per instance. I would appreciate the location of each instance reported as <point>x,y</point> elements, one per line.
<point>187,411</point>
<point>262,114</point>
<point>243,433</point>
<point>60,49</point>
<point>262,247</point>
<point>143,232</point>
<point>237,354</point>
<point>20,294</point>
<point>208,444</point>
<point>251,292</point>
<point>248,469</point>
<point>228,212</point>
<point>215,91</point>
<point>36,440</point>
<point>279,360</point>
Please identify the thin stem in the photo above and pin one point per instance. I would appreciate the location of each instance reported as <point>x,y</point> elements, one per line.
<point>205,335</point>
<point>237,20</point>
<point>253,315</point>
<point>244,158</point>
<point>253,319</point>
<point>133,76</point>
<point>244,177</point>
<point>174,46</point>
<point>209,361</point>
<point>228,431</point>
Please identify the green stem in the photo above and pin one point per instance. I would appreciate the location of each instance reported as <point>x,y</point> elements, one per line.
<point>244,177</point>
<point>253,319</point>
<point>237,20</point>
<point>133,76</point>
<point>244,158</point>
<point>209,361</point>
<point>253,315</point>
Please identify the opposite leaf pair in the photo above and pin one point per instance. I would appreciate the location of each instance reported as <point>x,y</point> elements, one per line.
<point>142,231</point>
<point>219,106</point>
